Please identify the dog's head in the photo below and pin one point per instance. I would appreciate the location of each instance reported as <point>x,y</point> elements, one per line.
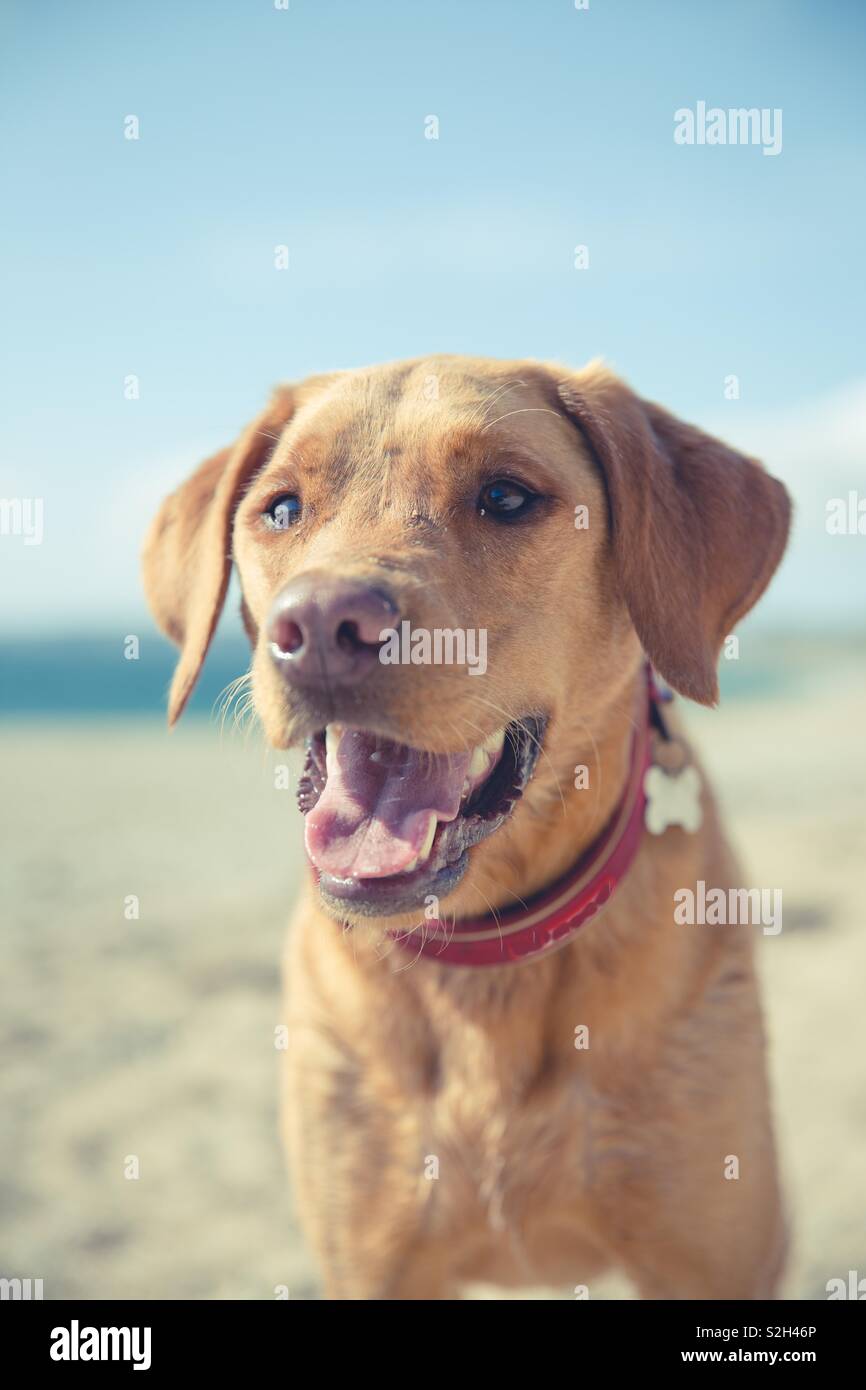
<point>448,566</point>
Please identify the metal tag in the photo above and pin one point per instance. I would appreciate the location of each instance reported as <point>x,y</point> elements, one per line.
<point>672,799</point>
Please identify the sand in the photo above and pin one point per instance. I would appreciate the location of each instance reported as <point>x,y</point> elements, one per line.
<point>152,1039</point>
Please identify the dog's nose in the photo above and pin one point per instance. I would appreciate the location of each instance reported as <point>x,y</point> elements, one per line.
<point>326,629</point>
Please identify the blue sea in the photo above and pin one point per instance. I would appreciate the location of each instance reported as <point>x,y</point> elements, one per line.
<point>89,676</point>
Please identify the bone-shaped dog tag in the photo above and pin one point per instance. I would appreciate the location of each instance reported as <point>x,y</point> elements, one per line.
<point>672,799</point>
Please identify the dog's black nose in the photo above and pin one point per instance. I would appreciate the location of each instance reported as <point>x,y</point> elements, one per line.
<point>324,629</point>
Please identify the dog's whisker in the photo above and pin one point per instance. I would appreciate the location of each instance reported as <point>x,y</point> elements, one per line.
<point>413,960</point>
<point>493,911</point>
<point>524,410</point>
<point>481,411</point>
<point>230,698</point>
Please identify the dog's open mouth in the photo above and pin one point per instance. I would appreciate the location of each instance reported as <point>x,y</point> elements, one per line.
<point>388,824</point>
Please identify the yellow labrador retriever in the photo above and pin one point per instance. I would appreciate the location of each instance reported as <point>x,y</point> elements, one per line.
<point>525,1035</point>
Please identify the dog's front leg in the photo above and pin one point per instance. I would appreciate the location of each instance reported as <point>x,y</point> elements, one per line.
<point>356,1155</point>
<point>359,1188</point>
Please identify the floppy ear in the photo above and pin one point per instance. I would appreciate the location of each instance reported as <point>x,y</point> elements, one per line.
<point>697,528</point>
<point>187,559</point>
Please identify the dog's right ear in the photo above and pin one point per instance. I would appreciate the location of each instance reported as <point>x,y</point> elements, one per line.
<point>187,556</point>
<point>697,528</point>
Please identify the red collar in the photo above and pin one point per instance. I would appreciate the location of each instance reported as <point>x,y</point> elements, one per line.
<point>551,918</point>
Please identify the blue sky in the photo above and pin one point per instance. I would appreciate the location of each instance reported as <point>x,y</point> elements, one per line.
<point>261,127</point>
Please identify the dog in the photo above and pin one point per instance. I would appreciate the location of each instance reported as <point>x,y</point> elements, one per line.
<point>507,1061</point>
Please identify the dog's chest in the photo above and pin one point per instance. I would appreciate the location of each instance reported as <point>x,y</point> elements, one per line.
<point>510,1136</point>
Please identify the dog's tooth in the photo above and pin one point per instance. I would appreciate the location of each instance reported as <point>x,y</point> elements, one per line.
<point>426,845</point>
<point>494,744</point>
<point>333,734</point>
<point>427,842</point>
<point>484,756</point>
<point>478,764</point>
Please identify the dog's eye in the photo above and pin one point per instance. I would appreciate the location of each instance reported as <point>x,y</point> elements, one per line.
<point>505,500</point>
<point>283,512</point>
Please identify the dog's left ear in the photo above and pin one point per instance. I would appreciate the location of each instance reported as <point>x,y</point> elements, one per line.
<point>187,555</point>
<point>697,528</point>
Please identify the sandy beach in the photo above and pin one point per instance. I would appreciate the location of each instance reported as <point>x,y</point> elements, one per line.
<point>150,1037</point>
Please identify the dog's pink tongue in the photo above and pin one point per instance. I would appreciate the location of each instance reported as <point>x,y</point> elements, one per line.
<point>379,805</point>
